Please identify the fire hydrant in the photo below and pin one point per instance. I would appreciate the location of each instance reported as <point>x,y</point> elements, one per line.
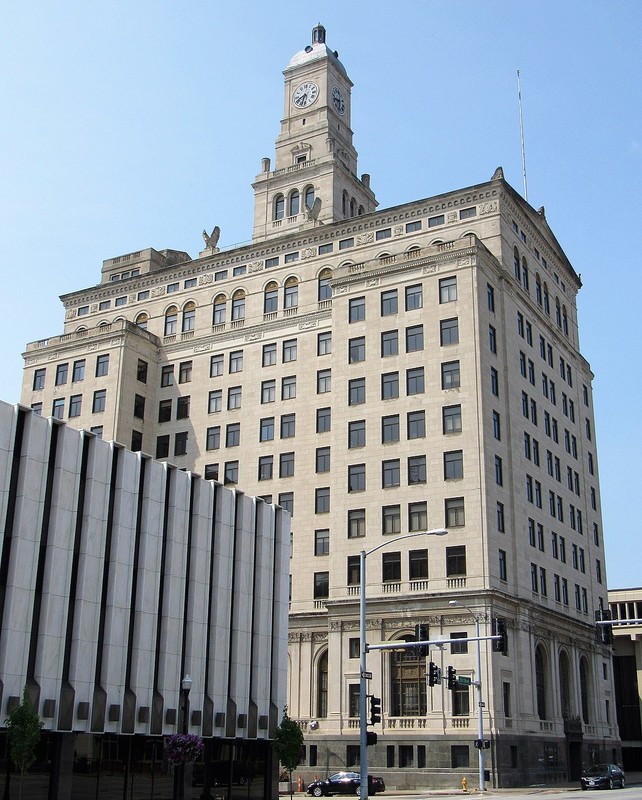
<point>299,787</point>
<point>464,784</point>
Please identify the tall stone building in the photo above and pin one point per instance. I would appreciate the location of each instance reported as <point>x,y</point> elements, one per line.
<point>379,372</point>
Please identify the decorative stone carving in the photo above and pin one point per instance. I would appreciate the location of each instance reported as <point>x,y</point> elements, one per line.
<point>202,348</point>
<point>306,326</point>
<point>308,252</point>
<point>373,282</point>
<point>398,230</point>
<point>255,266</point>
<point>94,308</point>
<point>205,279</point>
<point>429,269</point>
<point>158,291</point>
<point>92,346</point>
<point>465,261</point>
<point>254,336</point>
<point>451,216</point>
<point>131,298</point>
<point>365,238</point>
<point>70,313</point>
<point>339,290</point>
<point>488,208</point>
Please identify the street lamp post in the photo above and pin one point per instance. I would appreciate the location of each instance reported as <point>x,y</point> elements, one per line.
<point>363,719</point>
<point>183,714</point>
<point>480,705</point>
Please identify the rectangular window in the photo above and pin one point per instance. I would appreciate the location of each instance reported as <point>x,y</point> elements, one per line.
<point>417,516</point>
<point>266,468</point>
<point>289,350</point>
<point>357,433</point>
<point>180,443</point>
<point>324,420</point>
<point>454,512</point>
<point>356,523</point>
<point>414,297</point>
<point>502,566</point>
<point>490,295</point>
<point>141,371</point>
<point>390,473</point>
<point>322,543</point>
<point>354,571</point>
<point>99,401</point>
<point>325,248</point>
<point>492,339</point>
<point>233,434</point>
<point>497,428</point>
<point>449,331</point>
<point>499,472</point>
<point>39,379</point>
<point>357,391</point>
<point>385,233</point>
<point>460,648</point>
<point>213,438</point>
<point>357,309</point>
<point>102,365</point>
<point>451,419</point>
<point>453,465</point>
<point>215,401</point>
<point>389,302</point>
<point>389,385</point>
<point>182,407</point>
<point>322,586</point>
<point>433,222</point>
<point>324,343</point>
<point>357,349</point>
<point>447,290</point>
<point>459,756</point>
<point>389,428</point>
<point>234,396</point>
<point>216,365</point>
<point>165,411</point>
<point>391,519</point>
<point>268,391</point>
<point>324,381</point>
<point>75,405</point>
<point>78,371</point>
<point>345,244</point>
<point>391,566</point>
<point>389,343</point>
<point>231,472</point>
<point>456,560</point>
<point>450,375</point>
<point>415,383</point>
<point>185,372</point>
<point>286,465</point>
<point>266,429</point>
<point>62,370</point>
<point>418,565</point>
<point>323,459</point>
<point>416,470</point>
<point>356,478</point>
<point>236,361</point>
<point>37,409</point>
<point>210,472</point>
<point>494,381</point>
<point>288,426</point>
<point>322,500</point>
<point>416,424</point>
<point>414,338</point>
<point>139,406</point>
<point>162,446</point>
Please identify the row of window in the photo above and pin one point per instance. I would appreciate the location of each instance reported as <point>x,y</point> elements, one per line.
<point>74,409</point>
<point>77,372</point>
<point>560,588</point>
<point>542,296</point>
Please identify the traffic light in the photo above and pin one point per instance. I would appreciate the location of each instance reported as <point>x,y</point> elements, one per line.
<point>434,674</point>
<point>452,679</point>
<point>499,629</point>
<point>604,632</point>
<point>371,738</point>
<point>375,709</point>
<point>421,635</point>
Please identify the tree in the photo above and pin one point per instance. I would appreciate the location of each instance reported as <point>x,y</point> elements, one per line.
<point>24,726</point>
<point>288,742</point>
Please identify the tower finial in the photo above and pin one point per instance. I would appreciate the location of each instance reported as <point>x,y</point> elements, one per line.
<point>318,34</point>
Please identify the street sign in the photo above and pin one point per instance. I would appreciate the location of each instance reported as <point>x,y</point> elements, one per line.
<point>463,680</point>
<point>367,675</point>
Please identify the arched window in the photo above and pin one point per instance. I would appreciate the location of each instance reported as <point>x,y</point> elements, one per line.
<point>353,207</point>
<point>565,685</point>
<point>271,298</point>
<point>141,321</point>
<point>407,683</point>
<point>293,203</point>
<point>518,271</point>
<point>279,206</point>
<point>218,317</point>
<point>547,303</point>
<point>361,210</point>
<point>344,203</point>
<point>540,681</point>
<point>171,321</point>
<point>322,686</point>
<point>189,317</point>
<point>291,297</point>
<point>309,196</point>
<point>325,290</point>
<point>238,305</point>
<point>564,320</point>
<point>584,689</point>
<point>538,289</point>
<point>558,313</point>
<point>525,274</point>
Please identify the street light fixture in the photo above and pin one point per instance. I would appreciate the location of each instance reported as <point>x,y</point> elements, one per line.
<point>480,705</point>
<point>183,714</point>
<point>363,721</point>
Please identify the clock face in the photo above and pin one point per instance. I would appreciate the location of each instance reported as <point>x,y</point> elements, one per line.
<point>338,100</point>
<point>305,94</point>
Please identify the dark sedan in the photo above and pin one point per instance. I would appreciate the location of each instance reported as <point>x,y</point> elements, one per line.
<point>603,776</point>
<point>345,783</point>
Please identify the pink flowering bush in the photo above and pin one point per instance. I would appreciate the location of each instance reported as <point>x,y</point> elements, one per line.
<point>182,748</point>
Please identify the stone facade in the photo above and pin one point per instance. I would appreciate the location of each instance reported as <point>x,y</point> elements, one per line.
<point>380,372</point>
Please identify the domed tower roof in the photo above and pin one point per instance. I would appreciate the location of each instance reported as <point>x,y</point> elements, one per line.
<point>316,51</point>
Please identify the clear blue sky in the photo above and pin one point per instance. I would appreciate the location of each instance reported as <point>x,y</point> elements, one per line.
<point>133,124</point>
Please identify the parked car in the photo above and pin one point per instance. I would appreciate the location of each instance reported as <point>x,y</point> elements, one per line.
<point>345,783</point>
<point>603,776</point>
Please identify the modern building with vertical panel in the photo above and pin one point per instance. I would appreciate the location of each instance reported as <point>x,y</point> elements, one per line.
<point>119,577</point>
<point>379,372</point>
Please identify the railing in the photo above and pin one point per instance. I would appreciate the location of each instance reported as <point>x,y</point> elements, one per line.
<point>237,323</point>
<point>291,312</point>
<point>456,583</point>
<point>460,722</point>
<point>187,335</point>
<point>294,167</point>
<point>218,328</point>
<point>419,586</point>
<point>388,260</point>
<point>169,339</point>
<point>324,305</point>
<point>392,587</point>
<point>269,315</point>
<point>545,726</point>
<point>320,605</point>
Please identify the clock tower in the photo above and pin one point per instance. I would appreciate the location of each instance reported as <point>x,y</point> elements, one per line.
<point>315,176</point>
